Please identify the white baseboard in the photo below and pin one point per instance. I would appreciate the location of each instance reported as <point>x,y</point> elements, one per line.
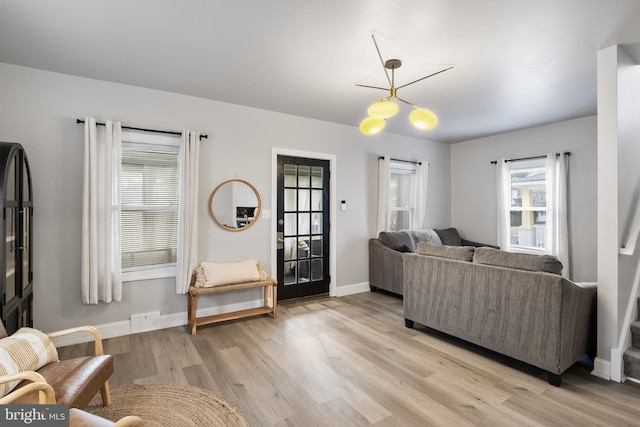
<point>122,328</point>
<point>356,288</point>
<point>617,366</point>
<point>602,368</point>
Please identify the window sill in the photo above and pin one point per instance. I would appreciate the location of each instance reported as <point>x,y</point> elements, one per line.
<point>154,273</point>
<point>525,250</point>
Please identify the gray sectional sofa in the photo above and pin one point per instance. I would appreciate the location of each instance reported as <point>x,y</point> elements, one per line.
<point>385,253</point>
<point>514,304</point>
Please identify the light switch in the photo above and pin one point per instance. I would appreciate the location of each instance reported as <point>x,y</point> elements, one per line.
<point>343,206</point>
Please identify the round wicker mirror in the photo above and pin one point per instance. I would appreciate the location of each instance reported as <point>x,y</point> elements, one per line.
<point>235,205</point>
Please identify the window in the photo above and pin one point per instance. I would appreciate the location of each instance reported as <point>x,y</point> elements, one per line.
<point>528,208</point>
<point>402,182</point>
<point>149,195</point>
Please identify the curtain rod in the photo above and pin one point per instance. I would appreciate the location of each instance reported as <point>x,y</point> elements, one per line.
<point>167,132</point>
<point>494,162</point>
<point>400,160</point>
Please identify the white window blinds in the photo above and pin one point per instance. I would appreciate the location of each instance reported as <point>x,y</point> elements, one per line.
<point>149,203</point>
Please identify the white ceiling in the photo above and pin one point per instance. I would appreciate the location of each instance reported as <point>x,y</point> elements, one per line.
<point>517,63</point>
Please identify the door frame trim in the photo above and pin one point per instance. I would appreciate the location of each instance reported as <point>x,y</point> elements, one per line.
<point>275,152</point>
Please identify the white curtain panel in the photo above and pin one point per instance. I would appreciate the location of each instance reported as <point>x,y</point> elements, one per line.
<point>384,213</point>
<point>100,258</point>
<point>503,197</point>
<point>557,216</point>
<point>420,209</point>
<point>187,256</point>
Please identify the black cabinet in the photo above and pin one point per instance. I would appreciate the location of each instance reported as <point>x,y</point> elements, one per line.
<point>15,255</point>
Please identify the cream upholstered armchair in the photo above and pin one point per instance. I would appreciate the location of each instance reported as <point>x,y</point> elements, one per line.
<point>77,417</point>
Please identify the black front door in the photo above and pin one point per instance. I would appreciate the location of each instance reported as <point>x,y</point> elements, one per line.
<point>303,227</point>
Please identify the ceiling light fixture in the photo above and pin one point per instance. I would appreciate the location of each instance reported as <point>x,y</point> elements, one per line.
<point>385,108</point>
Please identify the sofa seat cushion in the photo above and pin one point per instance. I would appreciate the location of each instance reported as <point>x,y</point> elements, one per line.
<point>460,253</point>
<point>397,239</point>
<point>529,262</point>
<point>75,381</point>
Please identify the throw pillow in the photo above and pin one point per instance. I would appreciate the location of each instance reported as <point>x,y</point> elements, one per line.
<point>428,235</point>
<point>460,253</point>
<point>395,239</point>
<point>226,273</point>
<point>529,262</point>
<point>201,281</point>
<point>26,350</point>
<point>450,237</point>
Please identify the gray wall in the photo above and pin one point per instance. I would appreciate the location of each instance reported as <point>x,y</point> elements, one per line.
<point>39,108</point>
<point>473,184</point>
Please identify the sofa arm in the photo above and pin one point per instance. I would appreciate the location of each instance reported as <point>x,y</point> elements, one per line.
<point>97,338</point>
<point>45,392</point>
<point>385,267</point>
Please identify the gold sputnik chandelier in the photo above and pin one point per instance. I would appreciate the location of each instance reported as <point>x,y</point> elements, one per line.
<point>385,108</point>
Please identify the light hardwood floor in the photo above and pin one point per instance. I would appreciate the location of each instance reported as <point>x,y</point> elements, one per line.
<point>350,361</point>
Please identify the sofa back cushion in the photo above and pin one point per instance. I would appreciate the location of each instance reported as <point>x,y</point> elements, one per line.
<point>530,262</point>
<point>398,240</point>
<point>449,237</point>
<point>461,253</point>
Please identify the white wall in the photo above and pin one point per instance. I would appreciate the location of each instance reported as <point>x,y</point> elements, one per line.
<point>39,108</point>
<point>473,183</point>
<point>628,171</point>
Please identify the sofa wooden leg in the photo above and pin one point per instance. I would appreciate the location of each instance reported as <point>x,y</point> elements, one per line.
<point>408,323</point>
<point>106,394</point>
<point>554,379</point>
<point>373,288</point>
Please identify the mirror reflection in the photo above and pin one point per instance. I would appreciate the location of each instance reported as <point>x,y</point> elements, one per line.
<point>235,205</point>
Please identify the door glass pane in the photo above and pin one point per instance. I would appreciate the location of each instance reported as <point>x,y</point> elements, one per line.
<point>290,202</point>
<point>26,194</point>
<point>10,186</point>
<point>303,198</point>
<point>303,247</point>
<point>303,176</point>
<point>316,269</point>
<point>290,224</point>
<point>303,273</point>
<point>316,177</point>
<point>316,246</point>
<point>316,222</point>
<point>290,273</point>
<point>11,254</point>
<point>290,172</point>
<point>290,248</point>
<point>303,223</point>
<point>316,200</point>
<point>26,226</point>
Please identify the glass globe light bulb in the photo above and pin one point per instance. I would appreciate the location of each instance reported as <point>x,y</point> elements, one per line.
<point>383,109</point>
<point>371,125</point>
<point>423,119</point>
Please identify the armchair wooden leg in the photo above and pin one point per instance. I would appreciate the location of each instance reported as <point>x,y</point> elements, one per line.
<point>106,394</point>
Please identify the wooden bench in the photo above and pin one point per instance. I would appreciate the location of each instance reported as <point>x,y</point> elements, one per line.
<point>270,302</point>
